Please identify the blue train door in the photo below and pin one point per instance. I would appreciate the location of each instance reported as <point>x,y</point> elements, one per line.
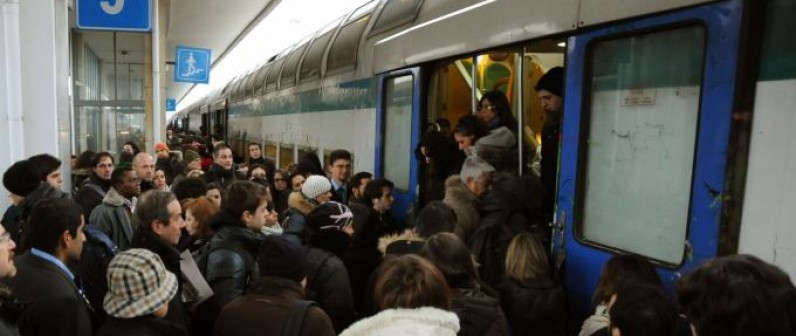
<point>397,136</point>
<point>647,116</point>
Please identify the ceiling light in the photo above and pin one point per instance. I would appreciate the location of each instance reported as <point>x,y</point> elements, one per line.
<point>562,44</point>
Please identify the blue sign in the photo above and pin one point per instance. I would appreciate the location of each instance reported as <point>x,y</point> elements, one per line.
<point>171,104</point>
<point>121,15</point>
<point>192,65</point>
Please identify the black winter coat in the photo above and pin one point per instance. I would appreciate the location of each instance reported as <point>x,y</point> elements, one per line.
<point>479,314</point>
<point>171,259</point>
<point>328,285</point>
<point>228,270</point>
<point>88,197</point>
<point>141,326</point>
<point>223,177</point>
<point>535,307</point>
<point>9,313</point>
<point>512,207</point>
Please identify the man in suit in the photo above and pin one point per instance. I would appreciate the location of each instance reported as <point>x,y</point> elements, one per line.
<point>54,303</point>
<point>340,169</point>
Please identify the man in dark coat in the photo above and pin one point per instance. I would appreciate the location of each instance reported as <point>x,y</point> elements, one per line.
<point>340,169</point>
<point>54,303</point>
<point>160,223</point>
<point>144,165</point>
<point>273,296</point>
<point>98,183</point>
<point>20,180</point>
<point>256,157</point>
<point>550,90</point>
<point>222,171</point>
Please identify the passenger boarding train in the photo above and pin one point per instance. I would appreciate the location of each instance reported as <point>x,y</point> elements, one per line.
<point>679,130</point>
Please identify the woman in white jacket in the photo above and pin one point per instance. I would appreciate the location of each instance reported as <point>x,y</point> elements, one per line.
<point>413,297</point>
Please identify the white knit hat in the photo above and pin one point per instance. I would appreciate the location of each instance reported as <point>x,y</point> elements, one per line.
<point>138,284</point>
<point>315,185</point>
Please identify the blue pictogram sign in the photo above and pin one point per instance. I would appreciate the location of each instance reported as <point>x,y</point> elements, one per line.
<point>171,104</point>
<point>192,65</point>
<point>120,15</point>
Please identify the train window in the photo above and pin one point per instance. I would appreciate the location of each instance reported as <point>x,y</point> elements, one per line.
<point>396,13</point>
<point>344,50</point>
<point>311,66</point>
<point>288,77</point>
<point>273,75</point>
<point>248,89</point>
<point>270,151</point>
<point>286,157</point>
<point>259,80</point>
<point>398,101</point>
<point>640,131</point>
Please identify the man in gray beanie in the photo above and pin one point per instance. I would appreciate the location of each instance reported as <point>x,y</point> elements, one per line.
<point>275,297</point>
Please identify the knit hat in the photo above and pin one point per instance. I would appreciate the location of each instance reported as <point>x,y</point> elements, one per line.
<point>330,215</point>
<point>161,146</point>
<point>282,258</point>
<point>315,185</point>
<point>138,284</point>
<point>189,156</point>
<point>552,81</point>
<point>21,178</point>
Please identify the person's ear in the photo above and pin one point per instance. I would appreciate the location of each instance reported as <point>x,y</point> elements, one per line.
<point>157,226</point>
<point>246,217</point>
<point>66,239</point>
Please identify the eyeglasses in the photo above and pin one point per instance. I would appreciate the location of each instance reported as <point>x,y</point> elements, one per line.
<point>5,238</point>
<point>488,107</point>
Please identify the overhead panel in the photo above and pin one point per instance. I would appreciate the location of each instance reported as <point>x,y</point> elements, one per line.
<point>273,75</point>
<point>396,13</point>
<point>343,53</point>
<point>259,81</point>
<point>596,12</point>
<point>288,76</point>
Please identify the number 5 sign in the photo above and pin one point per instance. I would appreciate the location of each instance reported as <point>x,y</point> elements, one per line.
<point>119,15</point>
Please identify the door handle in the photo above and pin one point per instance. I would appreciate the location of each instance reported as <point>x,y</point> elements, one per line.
<point>558,238</point>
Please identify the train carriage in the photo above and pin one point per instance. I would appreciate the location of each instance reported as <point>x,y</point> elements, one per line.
<point>677,139</point>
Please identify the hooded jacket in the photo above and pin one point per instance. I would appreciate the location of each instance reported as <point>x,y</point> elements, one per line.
<point>498,148</point>
<point>401,244</point>
<point>113,218</point>
<point>425,321</point>
<point>464,203</point>
<point>295,221</point>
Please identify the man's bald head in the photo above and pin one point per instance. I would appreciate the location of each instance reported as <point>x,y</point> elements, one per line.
<point>144,165</point>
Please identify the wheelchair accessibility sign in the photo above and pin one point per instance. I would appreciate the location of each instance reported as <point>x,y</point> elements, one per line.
<point>192,65</point>
<point>116,15</point>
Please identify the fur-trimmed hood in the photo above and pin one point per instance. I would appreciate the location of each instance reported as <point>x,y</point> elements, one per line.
<point>464,203</point>
<point>407,235</point>
<point>407,322</point>
<point>297,201</point>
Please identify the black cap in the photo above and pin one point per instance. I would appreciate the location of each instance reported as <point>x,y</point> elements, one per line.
<point>21,178</point>
<point>552,81</point>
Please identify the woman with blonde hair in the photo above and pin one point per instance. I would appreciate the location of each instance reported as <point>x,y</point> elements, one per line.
<point>533,303</point>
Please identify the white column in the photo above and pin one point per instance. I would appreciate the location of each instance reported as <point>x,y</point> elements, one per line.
<point>44,28</point>
<point>12,143</point>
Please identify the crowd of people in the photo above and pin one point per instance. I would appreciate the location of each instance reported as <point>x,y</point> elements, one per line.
<point>167,244</point>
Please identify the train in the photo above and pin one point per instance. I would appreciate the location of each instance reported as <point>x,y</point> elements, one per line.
<point>677,141</point>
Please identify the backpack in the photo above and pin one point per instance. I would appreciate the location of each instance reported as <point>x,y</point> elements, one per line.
<point>295,319</point>
<point>98,251</point>
<point>490,242</point>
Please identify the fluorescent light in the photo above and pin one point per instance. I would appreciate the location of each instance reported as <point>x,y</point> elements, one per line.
<point>562,44</point>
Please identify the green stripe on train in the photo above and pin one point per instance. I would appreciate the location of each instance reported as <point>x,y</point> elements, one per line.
<point>359,94</point>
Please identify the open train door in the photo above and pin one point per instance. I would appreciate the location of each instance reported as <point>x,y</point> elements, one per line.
<point>644,148</point>
<point>397,136</point>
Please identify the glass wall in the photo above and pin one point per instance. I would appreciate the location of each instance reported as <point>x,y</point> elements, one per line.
<point>108,79</point>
